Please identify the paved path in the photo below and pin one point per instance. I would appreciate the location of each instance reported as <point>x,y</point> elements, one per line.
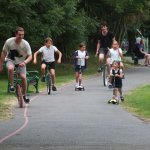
<point>72,120</point>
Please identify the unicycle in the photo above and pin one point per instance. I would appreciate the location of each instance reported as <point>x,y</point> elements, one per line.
<point>48,80</point>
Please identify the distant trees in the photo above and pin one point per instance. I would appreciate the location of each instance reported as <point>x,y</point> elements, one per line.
<point>69,22</point>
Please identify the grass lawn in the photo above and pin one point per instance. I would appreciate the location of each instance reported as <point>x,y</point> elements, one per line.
<point>138,102</point>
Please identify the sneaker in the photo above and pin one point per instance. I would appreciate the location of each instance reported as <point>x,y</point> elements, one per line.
<point>43,79</point>
<point>12,89</point>
<point>76,86</point>
<point>110,86</point>
<point>26,99</point>
<point>54,88</point>
<point>122,98</point>
<point>100,69</point>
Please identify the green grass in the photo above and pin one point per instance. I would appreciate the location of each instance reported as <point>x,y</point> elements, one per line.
<point>138,102</point>
<point>64,74</point>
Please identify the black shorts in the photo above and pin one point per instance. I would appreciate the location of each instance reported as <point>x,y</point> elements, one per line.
<point>77,68</point>
<point>103,51</point>
<point>51,65</point>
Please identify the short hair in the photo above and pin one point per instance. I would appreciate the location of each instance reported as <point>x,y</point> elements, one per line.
<point>19,29</point>
<point>48,39</point>
<point>104,23</point>
<point>81,45</point>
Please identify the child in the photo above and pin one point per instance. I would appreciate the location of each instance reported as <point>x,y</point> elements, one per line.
<point>115,53</point>
<point>116,80</point>
<point>48,52</point>
<point>80,57</point>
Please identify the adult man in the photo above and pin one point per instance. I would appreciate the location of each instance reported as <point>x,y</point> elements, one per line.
<point>16,52</point>
<point>105,39</point>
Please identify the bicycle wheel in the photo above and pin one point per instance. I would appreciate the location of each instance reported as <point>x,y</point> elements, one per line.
<point>105,75</point>
<point>19,95</point>
<point>48,83</point>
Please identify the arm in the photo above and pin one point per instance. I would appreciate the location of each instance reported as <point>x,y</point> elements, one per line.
<point>35,57</point>
<point>27,60</point>
<point>3,55</point>
<point>59,56</point>
<point>120,52</point>
<point>97,47</point>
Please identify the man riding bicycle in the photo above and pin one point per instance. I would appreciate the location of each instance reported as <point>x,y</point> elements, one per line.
<point>17,52</point>
<point>105,38</point>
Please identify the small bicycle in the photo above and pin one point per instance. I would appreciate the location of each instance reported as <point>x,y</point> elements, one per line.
<point>18,88</point>
<point>48,79</point>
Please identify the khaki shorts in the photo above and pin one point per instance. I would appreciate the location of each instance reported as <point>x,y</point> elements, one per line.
<point>21,70</point>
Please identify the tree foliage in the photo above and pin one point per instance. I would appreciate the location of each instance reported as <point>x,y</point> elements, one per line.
<point>70,22</point>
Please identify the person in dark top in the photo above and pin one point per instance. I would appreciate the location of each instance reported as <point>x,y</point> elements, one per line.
<point>104,41</point>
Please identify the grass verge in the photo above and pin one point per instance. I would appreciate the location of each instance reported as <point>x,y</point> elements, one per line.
<point>137,102</point>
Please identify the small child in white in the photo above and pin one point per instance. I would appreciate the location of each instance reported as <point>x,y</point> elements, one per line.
<point>80,63</point>
<point>116,81</point>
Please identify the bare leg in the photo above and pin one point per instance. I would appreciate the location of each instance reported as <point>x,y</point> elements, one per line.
<point>11,74</point>
<point>52,71</point>
<point>43,66</point>
<point>101,59</point>
<point>24,83</point>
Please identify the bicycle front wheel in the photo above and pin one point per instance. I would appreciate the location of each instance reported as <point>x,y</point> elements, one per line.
<point>105,75</point>
<point>19,95</point>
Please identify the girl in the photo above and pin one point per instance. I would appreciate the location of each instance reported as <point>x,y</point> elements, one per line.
<point>116,80</point>
<point>80,57</point>
<point>115,53</point>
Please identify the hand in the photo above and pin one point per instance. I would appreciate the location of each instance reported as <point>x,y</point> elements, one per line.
<point>34,61</point>
<point>86,57</point>
<point>96,54</point>
<point>22,64</point>
<point>59,61</point>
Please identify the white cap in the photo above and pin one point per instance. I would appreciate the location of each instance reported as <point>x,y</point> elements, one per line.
<point>138,40</point>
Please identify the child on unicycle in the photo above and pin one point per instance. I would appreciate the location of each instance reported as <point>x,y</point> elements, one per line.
<point>80,63</point>
<point>116,81</point>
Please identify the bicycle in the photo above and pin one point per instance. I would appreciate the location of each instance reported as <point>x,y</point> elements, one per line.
<point>48,79</point>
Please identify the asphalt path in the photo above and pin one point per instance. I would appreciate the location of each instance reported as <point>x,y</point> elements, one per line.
<point>78,120</point>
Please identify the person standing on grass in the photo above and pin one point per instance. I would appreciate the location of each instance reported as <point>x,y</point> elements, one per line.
<point>48,58</point>
<point>80,63</point>
<point>105,39</point>
<point>17,52</point>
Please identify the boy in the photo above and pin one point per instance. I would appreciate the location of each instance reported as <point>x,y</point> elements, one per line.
<point>48,52</point>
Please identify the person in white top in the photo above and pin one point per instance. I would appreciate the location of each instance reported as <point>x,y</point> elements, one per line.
<point>48,58</point>
<point>115,54</point>
<point>17,52</point>
<point>80,63</point>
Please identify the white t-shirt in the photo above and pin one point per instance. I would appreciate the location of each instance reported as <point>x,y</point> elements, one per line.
<point>17,53</point>
<point>82,55</point>
<point>48,53</point>
<point>114,55</point>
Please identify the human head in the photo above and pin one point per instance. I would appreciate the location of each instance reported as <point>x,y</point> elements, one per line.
<point>48,42</point>
<point>104,26</point>
<point>116,64</point>
<point>19,33</point>
<point>142,41</point>
<point>82,46</point>
<point>115,44</point>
